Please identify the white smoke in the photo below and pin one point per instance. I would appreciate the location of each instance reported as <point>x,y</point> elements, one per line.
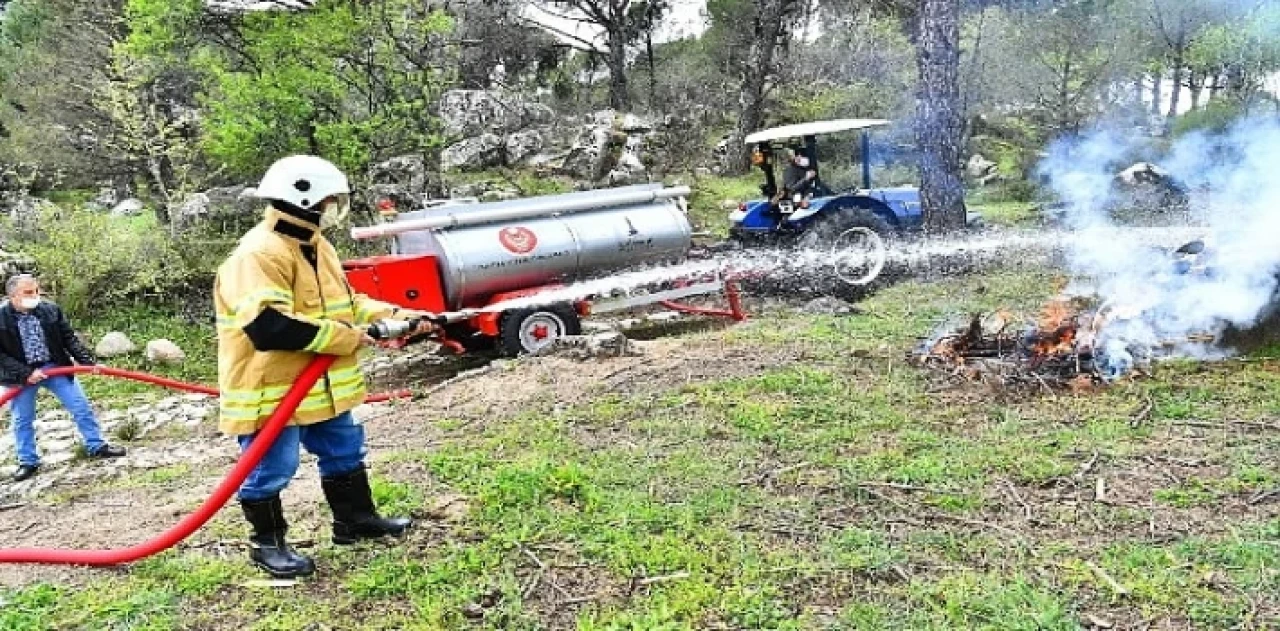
<point>1234,186</point>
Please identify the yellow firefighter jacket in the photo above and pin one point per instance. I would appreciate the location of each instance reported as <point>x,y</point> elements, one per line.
<point>261,353</point>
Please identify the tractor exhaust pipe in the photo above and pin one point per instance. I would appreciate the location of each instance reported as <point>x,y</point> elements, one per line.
<point>477,214</point>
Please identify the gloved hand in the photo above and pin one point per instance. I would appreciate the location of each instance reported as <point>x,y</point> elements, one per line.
<point>425,324</point>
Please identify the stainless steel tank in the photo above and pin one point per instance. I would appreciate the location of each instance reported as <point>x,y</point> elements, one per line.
<point>483,257</point>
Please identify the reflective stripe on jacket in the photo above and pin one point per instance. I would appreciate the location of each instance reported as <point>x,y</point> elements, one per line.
<point>268,269</point>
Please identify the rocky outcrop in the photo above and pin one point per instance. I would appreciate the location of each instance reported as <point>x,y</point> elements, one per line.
<point>231,209</point>
<point>14,263</point>
<point>488,150</point>
<point>471,113</point>
<point>523,145</point>
<point>605,148</point>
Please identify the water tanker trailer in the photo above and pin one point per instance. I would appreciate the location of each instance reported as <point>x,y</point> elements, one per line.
<point>496,272</point>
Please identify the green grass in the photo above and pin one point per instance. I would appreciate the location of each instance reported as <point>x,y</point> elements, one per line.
<point>141,325</point>
<point>707,211</point>
<point>837,487</point>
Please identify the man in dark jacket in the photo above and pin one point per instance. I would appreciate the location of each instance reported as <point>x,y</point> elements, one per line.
<point>35,337</point>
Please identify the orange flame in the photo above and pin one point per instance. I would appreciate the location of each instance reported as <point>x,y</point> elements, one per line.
<point>1057,328</point>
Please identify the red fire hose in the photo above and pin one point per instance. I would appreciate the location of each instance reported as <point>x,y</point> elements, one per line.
<point>183,529</point>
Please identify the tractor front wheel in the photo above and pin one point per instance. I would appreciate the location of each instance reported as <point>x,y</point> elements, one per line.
<point>524,331</point>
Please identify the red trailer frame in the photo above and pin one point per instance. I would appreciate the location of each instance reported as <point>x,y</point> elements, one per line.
<point>414,282</point>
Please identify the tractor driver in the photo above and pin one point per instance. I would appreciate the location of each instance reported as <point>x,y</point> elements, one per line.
<point>799,178</point>
<point>282,298</point>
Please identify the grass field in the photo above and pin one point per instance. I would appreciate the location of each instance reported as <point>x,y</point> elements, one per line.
<point>836,487</point>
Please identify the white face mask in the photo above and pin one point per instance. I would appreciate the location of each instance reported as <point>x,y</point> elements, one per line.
<point>333,214</point>
<point>30,303</point>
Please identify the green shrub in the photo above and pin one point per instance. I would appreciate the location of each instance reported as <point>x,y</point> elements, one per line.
<point>1217,116</point>
<point>90,260</point>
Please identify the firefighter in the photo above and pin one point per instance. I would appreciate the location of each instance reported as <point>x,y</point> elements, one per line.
<point>281,299</point>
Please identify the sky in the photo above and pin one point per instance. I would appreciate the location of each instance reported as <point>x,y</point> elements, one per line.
<point>686,18</point>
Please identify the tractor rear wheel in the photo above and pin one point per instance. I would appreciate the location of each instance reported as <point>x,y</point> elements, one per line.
<point>523,331</point>
<point>828,230</point>
<point>854,246</point>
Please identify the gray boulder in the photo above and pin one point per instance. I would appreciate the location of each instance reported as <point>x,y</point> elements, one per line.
<point>114,344</point>
<point>523,145</point>
<point>474,153</point>
<point>230,209</point>
<point>128,208</point>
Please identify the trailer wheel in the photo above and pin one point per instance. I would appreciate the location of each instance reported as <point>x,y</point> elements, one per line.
<point>524,331</point>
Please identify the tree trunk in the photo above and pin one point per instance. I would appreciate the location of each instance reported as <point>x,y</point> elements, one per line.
<point>1178,70</point>
<point>1197,90</point>
<point>768,31</point>
<point>939,127</point>
<point>1156,79</point>
<point>619,96</point>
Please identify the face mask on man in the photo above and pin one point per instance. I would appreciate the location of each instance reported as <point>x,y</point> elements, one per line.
<point>333,213</point>
<point>30,302</point>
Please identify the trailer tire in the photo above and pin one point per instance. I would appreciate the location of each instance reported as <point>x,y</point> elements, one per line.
<point>518,329</point>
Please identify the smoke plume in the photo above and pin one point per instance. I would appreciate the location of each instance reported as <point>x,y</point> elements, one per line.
<point>1233,180</point>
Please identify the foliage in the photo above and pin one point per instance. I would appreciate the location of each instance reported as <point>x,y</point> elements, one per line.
<point>89,260</point>
<point>355,83</point>
<point>1217,116</point>
<point>52,62</point>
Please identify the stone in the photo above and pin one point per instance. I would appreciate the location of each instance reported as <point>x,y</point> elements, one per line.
<point>590,153</point>
<point>128,208</point>
<point>499,196</point>
<point>474,153</point>
<point>106,198</point>
<point>229,209</point>
<point>470,113</point>
<point>14,263</point>
<point>633,124</point>
<point>522,146</point>
<point>598,346</point>
<point>1146,186</point>
<point>163,351</point>
<point>407,173</point>
<point>114,344</point>
<point>979,167</point>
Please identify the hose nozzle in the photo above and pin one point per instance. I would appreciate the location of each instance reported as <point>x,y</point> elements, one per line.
<point>392,328</point>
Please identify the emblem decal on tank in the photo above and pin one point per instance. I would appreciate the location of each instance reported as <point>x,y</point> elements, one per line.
<point>518,240</point>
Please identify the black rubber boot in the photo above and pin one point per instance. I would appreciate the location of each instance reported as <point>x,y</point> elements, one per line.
<point>354,516</point>
<point>269,549</point>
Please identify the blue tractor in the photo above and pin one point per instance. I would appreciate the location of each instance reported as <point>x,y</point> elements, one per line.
<point>802,209</point>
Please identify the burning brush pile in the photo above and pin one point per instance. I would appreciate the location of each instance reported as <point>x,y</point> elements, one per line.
<point>1070,346</point>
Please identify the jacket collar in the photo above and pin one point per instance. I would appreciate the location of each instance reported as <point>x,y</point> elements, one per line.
<point>290,226</point>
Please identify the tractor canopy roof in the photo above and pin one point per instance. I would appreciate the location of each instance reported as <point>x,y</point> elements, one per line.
<point>814,129</point>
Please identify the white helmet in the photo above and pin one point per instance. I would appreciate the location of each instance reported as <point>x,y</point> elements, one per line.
<point>303,181</point>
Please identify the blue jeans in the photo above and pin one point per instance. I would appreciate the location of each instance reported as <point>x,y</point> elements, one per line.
<point>72,397</point>
<point>337,442</point>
